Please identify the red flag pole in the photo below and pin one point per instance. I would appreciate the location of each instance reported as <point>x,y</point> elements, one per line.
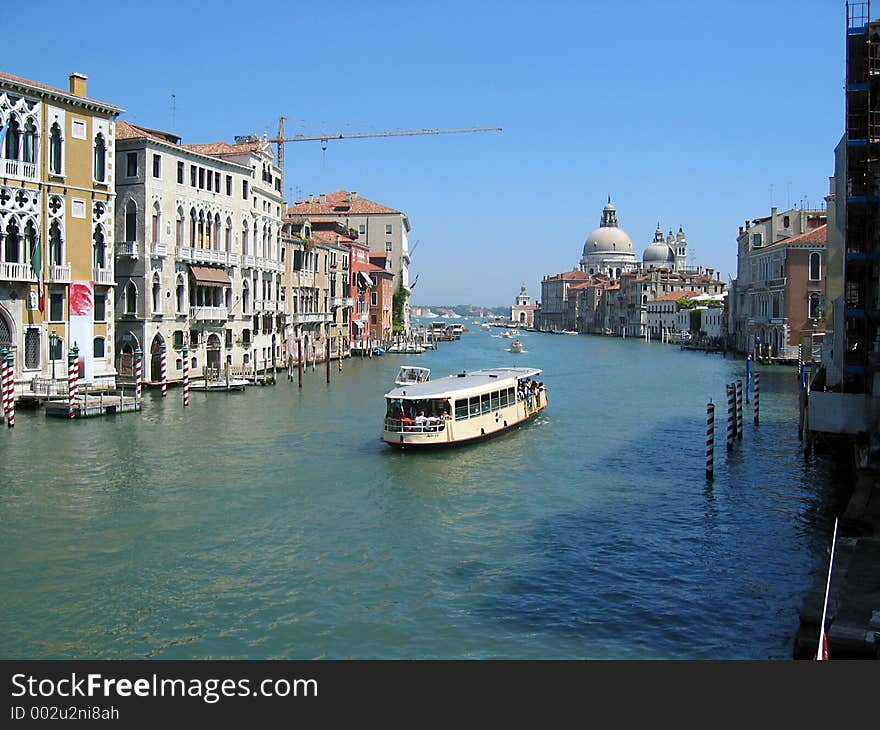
<point>822,650</point>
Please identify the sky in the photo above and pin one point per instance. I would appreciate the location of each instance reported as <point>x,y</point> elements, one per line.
<point>691,114</point>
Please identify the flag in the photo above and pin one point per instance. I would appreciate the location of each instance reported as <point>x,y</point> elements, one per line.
<point>825,646</point>
<point>3,130</point>
<point>413,285</point>
<point>37,266</point>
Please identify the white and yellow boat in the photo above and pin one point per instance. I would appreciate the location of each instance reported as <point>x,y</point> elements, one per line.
<point>462,408</point>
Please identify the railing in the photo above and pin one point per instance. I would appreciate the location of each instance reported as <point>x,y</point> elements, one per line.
<point>407,426</point>
<point>248,262</point>
<point>202,314</point>
<point>59,273</point>
<point>343,302</point>
<point>16,168</point>
<point>13,271</point>
<point>232,258</point>
<point>158,249</point>
<point>270,306</point>
<point>102,276</point>
<point>127,248</point>
<point>310,318</point>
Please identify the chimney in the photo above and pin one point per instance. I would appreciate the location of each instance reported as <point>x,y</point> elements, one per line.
<point>354,195</point>
<point>78,84</point>
<point>322,198</point>
<point>773,212</point>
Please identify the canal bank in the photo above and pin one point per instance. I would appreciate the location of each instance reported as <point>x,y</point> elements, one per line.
<point>275,524</point>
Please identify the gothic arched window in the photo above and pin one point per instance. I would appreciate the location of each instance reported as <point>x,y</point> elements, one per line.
<point>101,159</point>
<point>55,157</point>
<point>131,221</point>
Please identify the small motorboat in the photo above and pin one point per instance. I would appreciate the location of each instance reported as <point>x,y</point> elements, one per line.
<point>411,374</point>
<point>506,334</point>
<point>516,346</point>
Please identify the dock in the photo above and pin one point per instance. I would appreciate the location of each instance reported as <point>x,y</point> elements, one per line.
<point>90,406</point>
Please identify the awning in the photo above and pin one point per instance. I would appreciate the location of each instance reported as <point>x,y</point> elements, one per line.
<point>210,275</point>
<point>368,282</point>
<point>360,325</point>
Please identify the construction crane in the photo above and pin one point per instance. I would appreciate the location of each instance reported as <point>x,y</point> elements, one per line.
<point>324,138</point>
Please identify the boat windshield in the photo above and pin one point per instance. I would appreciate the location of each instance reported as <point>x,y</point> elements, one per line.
<point>413,375</point>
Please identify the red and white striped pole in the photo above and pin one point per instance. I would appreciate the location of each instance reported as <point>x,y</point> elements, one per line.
<point>739,410</point>
<point>138,376</point>
<point>710,441</point>
<point>731,416</point>
<point>186,376</point>
<point>3,353</point>
<point>72,380</point>
<point>757,397</point>
<point>163,369</point>
<point>10,389</point>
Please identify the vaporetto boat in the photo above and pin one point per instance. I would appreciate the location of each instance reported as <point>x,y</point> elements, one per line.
<point>462,408</point>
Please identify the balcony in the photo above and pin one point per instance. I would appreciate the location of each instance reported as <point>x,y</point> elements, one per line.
<point>270,306</point>
<point>59,274</point>
<point>232,258</point>
<point>310,318</point>
<point>127,248</point>
<point>342,302</point>
<point>102,275</point>
<point>158,250</point>
<point>21,170</point>
<point>248,262</point>
<point>13,271</point>
<point>208,314</point>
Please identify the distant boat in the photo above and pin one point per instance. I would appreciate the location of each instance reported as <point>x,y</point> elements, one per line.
<point>516,346</point>
<point>411,374</point>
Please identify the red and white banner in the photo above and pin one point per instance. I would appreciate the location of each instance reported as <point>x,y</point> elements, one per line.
<point>82,325</point>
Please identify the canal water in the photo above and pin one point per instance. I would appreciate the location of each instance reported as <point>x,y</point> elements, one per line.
<point>275,524</point>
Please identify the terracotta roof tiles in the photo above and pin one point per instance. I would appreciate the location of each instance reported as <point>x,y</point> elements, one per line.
<point>340,202</point>
<point>46,87</point>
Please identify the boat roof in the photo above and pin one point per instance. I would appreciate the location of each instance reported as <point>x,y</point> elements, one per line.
<point>463,384</point>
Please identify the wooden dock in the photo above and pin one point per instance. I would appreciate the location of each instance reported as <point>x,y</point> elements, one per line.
<point>90,406</point>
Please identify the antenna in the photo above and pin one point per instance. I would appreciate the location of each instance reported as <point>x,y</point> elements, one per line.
<point>173,112</point>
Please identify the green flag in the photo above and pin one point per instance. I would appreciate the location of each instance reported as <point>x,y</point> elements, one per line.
<point>37,266</point>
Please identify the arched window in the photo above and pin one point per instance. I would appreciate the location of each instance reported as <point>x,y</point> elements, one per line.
<point>193,227</point>
<point>56,245</point>
<point>181,294</point>
<point>245,298</point>
<point>55,158</point>
<point>244,239</point>
<point>179,229</point>
<point>131,221</point>
<point>101,160</point>
<point>30,238</point>
<point>217,231</point>
<point>157,295</point>
<point>229,234</point>
<point>814,305</point>
<point>815,266</point>
<point>208,229</point>
<point>29,148</point>
<point>156,223</point>
<point>99,249</point>
<point>12,249</point>
<point>99,347</point>
<point>131,296</point>
<point>201,229</point>
<point>13,140</point>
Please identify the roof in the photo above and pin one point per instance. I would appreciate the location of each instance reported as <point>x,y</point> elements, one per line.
<point>816,236</point>
<point>463,384</point>
<point>127,130</point>
<point>209,275</point>
<point>320,236</point>
<point>339,202</point>
<point>674,296</point>
<point>575,274</point>
<point>224,148</point>
<point>62,92</point>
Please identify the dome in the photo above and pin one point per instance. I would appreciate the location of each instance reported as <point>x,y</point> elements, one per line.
<point>658,254</point>
<point>608,239</point>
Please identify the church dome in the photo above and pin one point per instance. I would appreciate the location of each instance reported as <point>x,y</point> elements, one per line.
<point>658,254</point>
<point>609,237</point>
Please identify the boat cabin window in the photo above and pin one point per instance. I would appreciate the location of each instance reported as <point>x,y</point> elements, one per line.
<point>485,403</point>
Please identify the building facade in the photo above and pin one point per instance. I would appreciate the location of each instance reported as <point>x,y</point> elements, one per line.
<point>198,262</point>
<point>57,197</point>
<point>523,311</point>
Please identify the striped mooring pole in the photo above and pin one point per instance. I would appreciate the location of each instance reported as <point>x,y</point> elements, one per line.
<point>72,378</point>
<point>3,353</point>
<point>749,365</point>
<point>138,376</point>
<point>710,440</point>
<point>163,369</point>
<point>731,416</point>
<point>186,375</point>
<point>801,364</point>
<point>757,397</point>
<point>10,389</point>
<point>739,410</point>
<point>340,352</point>
<point>299,362</point>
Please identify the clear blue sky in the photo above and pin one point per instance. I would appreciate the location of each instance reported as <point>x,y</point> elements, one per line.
<point>697,114</point>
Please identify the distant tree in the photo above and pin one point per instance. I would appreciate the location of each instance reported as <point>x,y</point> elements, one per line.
<point>398,304</point>
<point>685,303</point>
